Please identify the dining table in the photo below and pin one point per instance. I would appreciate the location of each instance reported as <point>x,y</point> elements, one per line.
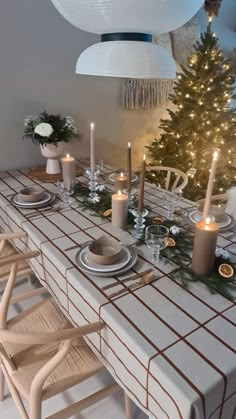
<point>170,347</point>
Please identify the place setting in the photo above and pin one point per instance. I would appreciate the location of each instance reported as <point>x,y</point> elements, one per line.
<point>106,257</point>
<point>33,198</point>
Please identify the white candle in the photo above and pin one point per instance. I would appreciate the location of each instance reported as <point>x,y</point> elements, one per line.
<point>92,149</point>
<point>120,182</point>
<point>210,185</point>
<point>68,168</point>
<point>129,168</point>
<point>142,182</point>
<point>119,210</point>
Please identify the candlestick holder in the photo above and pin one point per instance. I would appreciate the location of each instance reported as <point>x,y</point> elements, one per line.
<point>139,222</point>
<point>93,186</point>
<point>131,195</point>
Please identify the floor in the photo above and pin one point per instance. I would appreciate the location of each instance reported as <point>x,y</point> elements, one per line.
<point>110,408</point>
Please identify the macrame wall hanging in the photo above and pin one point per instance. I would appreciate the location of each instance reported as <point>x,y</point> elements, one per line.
<point>144,94</point>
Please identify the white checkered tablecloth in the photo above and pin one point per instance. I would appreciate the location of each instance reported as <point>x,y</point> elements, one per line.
<point>171,349</point>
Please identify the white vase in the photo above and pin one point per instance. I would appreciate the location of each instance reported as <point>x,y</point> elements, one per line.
<point>52,152</point>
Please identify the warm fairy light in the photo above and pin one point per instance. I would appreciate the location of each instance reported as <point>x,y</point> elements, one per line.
<point>187,95</point>
<point>92,125</point>
<point>67,156</point>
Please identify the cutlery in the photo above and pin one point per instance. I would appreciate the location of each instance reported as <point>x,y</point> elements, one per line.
<point>131,278</point>
<point>144,280</point>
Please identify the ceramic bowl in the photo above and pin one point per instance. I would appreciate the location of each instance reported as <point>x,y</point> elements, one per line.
<point>31,194</point>
<point>105,251</point>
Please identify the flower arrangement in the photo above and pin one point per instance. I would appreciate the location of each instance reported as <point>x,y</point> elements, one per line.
<point>49,129</point>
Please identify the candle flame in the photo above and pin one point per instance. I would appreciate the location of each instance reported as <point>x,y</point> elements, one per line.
<point>92,125</point>
<point>122,174</point>
<point>129,145</point>
<point>208,220</point>
<point>210,18</point>
<point>67,156</point>
<point>144,157</point>
<point>215,155</point>
<point>119,193</point>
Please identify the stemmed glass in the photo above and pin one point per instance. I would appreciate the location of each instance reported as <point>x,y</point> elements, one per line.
<point>66,189</point>
<point>156,237</point>
<point>170,201</point>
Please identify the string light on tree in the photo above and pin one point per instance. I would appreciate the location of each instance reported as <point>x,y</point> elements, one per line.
<point>202,120</point>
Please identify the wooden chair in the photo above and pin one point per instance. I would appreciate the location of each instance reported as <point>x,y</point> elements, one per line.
<point>7,249</point>
<point>174,179</point>
<point>221,198</point>
<point>42,354</point>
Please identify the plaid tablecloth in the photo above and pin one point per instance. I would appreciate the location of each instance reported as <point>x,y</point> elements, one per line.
<point>171,349</point>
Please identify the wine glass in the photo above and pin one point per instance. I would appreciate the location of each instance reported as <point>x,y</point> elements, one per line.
<point>170,201</point>
<point>156,237</point>
<point>66,189</point>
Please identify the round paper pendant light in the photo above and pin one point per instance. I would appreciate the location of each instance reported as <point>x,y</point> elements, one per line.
<point>146,16</point>
<point>140,60</point>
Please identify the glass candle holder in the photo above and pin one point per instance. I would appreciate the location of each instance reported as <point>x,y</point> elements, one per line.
<point>139,222</point>
<point>93,186</point>
<point>131,195</point>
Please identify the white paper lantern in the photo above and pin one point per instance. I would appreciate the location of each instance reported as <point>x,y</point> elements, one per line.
<point>147,16</point>
<point>141,60</point>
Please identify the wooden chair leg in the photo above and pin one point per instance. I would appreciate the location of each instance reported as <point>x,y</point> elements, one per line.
<point>128,414</point>
<point>30,279</point>
<point>2,383</point>
<point>15,395</point>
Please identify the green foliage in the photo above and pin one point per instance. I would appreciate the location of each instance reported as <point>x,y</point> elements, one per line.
<point>63,128</point>
<point>201,122</point>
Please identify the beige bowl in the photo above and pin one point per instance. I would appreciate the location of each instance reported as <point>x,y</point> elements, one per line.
<point>31,194</point>
<point>105,251</point>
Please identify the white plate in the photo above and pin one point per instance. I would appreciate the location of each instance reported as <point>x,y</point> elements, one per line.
<point>48,199</point>
<point>86,260</point>
<point>127,267</point>
<point>196,216</point>
<point>112,176</point>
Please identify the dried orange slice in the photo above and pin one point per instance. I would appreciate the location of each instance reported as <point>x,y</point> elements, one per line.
<point>226,270</point>
<point>107,213</point>
<point>157,220</point>
<point>171,242</point>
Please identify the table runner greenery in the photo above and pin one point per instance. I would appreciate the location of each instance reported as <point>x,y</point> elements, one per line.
<point>179,253</point>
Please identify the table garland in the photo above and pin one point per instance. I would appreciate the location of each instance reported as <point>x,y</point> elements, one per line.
<point>179,248</point>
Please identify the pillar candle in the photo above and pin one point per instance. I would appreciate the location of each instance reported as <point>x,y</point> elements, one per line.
<point>129,170</point>
<point>68,168</point>
<point>204,247</point>
<point>120,182</point>
<point>119,210</point>
<point>210,186</point>
<point>141,188</point>
<point>92,149</point>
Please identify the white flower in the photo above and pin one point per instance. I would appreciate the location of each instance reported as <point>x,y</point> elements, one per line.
<point>223,254</point>
<point>43,129</point>
<point>96,199</point>
<point>100,188</point>
<point>174,230</point>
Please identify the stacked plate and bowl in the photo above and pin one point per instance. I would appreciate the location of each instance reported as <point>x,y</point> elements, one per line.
<point>106,257</point>
<point>32,197</point>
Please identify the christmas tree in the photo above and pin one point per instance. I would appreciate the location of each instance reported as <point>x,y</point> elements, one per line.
<point>202,121</point>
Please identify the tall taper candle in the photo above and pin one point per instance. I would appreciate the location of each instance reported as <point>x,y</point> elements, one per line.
<point>141,188</point>
<point>210,186</point>
<point>68,168</point>
<point>119,210</point>
<point>129,168</point>
<point>204,247</point>
<point>92,149</point>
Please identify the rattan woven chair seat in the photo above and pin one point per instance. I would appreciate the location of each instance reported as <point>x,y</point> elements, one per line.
<point>79,364</point>
<point>23,266</point>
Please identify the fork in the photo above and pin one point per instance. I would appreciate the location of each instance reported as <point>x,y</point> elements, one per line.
<point>144,280</point>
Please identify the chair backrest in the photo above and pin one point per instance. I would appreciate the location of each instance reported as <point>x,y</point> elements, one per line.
<point>221,198</point>
<point>174,179</point>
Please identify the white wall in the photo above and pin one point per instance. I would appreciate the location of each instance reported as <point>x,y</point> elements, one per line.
<point>38,51</point>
